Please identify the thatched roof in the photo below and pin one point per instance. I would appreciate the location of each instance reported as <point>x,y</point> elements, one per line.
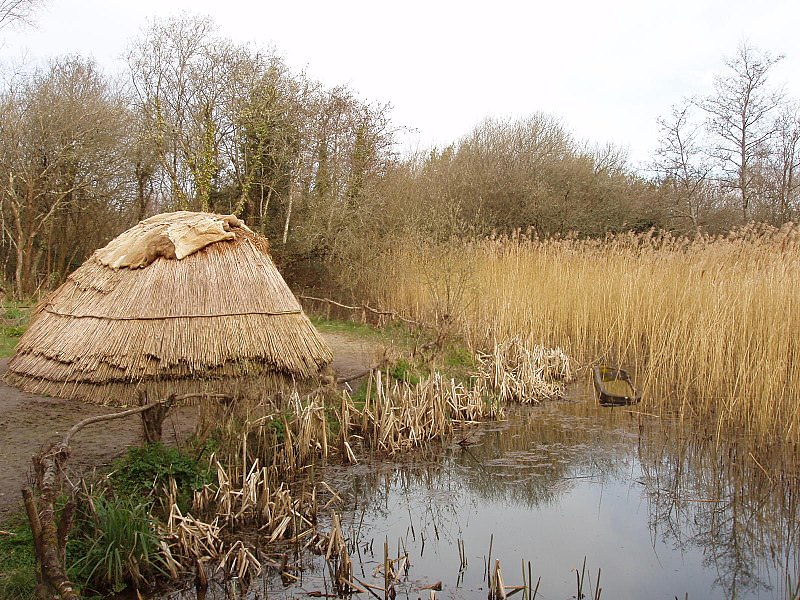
<point>182,302</point>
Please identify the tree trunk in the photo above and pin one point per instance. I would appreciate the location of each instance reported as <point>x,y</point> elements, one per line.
<point>288,217</point>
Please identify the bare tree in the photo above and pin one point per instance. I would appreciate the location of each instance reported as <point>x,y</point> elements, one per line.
<point>683,164</point>
<point>60,163</point>
<point>785,162</point>
<point>528,173</point>
<point>221,117</point>
<point>18,12</point>
<point>740,120</point>
<point>263,150</point>
<point>179,69</point>
<point>344,145</point>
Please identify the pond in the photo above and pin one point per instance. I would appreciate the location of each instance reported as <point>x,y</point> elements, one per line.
<point>568,491</point>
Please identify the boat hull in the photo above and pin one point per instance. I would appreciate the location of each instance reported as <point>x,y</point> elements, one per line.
<point>614,387</point>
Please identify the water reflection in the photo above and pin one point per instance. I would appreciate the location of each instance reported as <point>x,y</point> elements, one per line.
<point>738,503</point>
<point>663,511</point>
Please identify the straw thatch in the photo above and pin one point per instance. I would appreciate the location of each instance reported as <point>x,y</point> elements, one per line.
<point>182,302</point>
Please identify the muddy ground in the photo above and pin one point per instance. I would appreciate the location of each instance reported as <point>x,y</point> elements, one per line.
<point>28,423</point>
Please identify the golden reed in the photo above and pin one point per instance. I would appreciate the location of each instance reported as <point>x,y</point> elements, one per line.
<point>710,324</point>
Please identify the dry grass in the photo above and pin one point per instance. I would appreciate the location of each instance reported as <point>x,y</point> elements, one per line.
<point>397,416</point>
<point>517,372</point>
<point>257,502</point>
<point>263,445</point>
<point>708,325</point>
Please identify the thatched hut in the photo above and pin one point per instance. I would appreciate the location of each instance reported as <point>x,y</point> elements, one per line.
<point>181,303</point>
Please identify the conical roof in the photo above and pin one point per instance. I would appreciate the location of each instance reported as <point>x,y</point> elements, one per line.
<point>181,303</point>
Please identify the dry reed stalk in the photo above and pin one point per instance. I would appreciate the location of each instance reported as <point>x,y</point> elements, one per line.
<point>397,416</point>
<point>707,323</point>
<point>497,589</point>
<point>338,559</point>
<point>518,372</point>
<point>239,562</point>
<point>235,504</point>
<point>190,537</point>
<point>285,432</point>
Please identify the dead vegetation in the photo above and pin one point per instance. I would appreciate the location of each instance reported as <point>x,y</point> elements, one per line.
<point>705,322</point>
<point>520,372</point>
<point>256,501</point>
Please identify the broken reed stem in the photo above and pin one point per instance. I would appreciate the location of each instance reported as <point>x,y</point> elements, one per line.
<point>516,371</point>
<point>386,567</point>
<point>597,588</point>
<point>489,560</point>
<point>398,416</point>
<point>498,590</point>
<point>580,577</point>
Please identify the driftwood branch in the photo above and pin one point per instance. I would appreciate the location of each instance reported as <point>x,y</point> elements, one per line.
<point>382,313</point>
<point>107,417</point>
<point>50,539</point>
<point>350,378</point>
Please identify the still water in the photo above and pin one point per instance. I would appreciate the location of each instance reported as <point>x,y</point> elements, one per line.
<point>660,512</point>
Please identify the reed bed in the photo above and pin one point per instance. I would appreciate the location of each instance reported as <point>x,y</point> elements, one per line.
<point>739,500</point>
<point>708,324</point>
<point>254,502</point>
<point>396,416</point>
<point>519,372</point>
<point>262,445</point>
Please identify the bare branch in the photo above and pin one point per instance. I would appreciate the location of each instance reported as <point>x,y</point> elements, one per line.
<point>18,12</point>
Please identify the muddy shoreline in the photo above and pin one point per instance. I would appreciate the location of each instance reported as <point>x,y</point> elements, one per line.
<point>29,423</point>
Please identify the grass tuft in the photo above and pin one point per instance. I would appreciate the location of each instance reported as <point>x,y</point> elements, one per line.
<point>17,559</point>
<point>14,317</point>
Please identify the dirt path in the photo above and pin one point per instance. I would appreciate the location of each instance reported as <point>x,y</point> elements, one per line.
<point>29,422</point>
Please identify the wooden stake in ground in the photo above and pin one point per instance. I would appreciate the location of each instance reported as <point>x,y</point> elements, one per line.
<point>153,419</point>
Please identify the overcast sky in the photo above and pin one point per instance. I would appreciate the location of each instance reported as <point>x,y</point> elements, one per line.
<point>606,69</point>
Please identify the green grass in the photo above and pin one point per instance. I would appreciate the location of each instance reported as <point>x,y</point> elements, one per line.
<point>359,395</point>
<point>337,326</point>
<point>114,543</point>
<point>145,470</point>
<point>114,540</point>
<point>451,357</point>
<point>405,370</point>
<point>395,334</point>
<point>17,559</point>
<point>14,318</point>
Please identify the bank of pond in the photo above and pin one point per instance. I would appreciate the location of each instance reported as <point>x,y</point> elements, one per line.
<point>428,490</point>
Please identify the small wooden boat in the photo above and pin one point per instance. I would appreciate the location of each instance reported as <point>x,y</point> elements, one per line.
<point>614,386</point>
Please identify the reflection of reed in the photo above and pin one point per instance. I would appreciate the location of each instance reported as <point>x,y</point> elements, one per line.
<point>537,456</point>
<point>705,319</point>
<point>736,502</point>
<point>529,460</point>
